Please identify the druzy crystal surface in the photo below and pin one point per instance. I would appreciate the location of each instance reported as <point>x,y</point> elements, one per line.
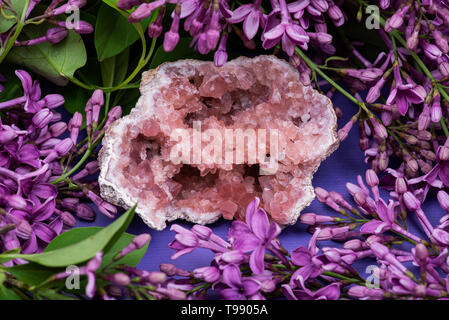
<point>137,164</point>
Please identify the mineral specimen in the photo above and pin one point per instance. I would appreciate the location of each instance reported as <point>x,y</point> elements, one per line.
<point>203,141</point>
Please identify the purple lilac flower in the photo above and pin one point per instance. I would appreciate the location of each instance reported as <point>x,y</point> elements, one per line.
<point>31,151</point>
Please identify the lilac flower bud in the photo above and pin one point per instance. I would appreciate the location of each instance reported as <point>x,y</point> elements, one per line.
<point>42,118</point>
<point>443,67</point>
<point>268,285</point>
<point>312,218</point>
<point>413,39</point>
<point>106,208</point>
<point>343,132</point>
<point>23,229</point>
<point>84,212</point>
<point>156,277</point>
<point>354,244</point>
<point>172,294</point>
<point>128,4</point>
<point>221,56</point>
<point>386,117</point>
<point>171,37</point>
<point>371,178</point>
<point>441,41</point>
<point>441,236</point>
<point>187,239</point>
<point>363,292</point>
<point>374,92</point>
<point>74,126</point>
<point>56,35</point>
<point>233,257</point>
<point>435,109</point>
<point>68,220</point>
<point>397,19</point>
<point>360,199</point>
<point>421,252</point>
<point>213,34</point>
<point>320,37</point>
<point>202,232</point>
<point>168,268</point>
<point>443,153</point>
<point>366,75</point>
<point>321,194</point>
<point>379,130</point>
<point>155,29</point>
<point>113,115</point>
<point>57,129</point>
<point>431,50</point>
<point>443,200</point>
<point>97,98</point>
<point>202,43</point>
<point>52,101</point>
<point>172,270</point>
<point>143,11</point>
<point>63,147</point>
<point>336,15</point>
<point>83,27</point>
<point>70,203</point>
<point>411,201</point>
<point>141,240</point>
<point>119,279</point>
<point>208,274</point>
<point>400,186</point>
<point>330,233</point>
<point>320,5</point>
<point>15,201</point>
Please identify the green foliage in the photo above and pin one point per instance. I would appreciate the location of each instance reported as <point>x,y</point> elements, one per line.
<point>113,33</point>
<point>79,252</point>
<point>57,62</point>
<point>6,24</point>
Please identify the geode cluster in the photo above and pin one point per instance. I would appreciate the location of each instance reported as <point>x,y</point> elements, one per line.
<point>137,158</point>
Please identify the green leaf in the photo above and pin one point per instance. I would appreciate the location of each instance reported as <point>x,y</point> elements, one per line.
<point>74,235</point>
<point>8,294</point>
<point>182,51</point>
<point>56,62</point>
<point>6,24</point>
<point>53,295</point>
<point>32,273</point>
<point>85,249</point>
<point>114,69</point>
<point>113,33</point>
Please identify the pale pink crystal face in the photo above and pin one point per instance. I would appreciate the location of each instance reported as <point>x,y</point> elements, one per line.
<point>259,93</point>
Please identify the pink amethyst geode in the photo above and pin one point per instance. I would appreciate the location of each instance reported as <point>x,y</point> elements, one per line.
<point>137,163</point>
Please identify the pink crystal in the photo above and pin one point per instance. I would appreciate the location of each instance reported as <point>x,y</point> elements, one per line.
<point>259,93</point>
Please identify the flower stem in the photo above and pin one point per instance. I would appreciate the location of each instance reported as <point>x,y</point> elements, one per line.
<point>19,27</point>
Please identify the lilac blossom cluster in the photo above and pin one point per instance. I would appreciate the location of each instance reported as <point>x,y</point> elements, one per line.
<point>43,182</point>
<point>403,94</point>
<point>297,23</point>
<point>58,28</point>
<point>251,264</point>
